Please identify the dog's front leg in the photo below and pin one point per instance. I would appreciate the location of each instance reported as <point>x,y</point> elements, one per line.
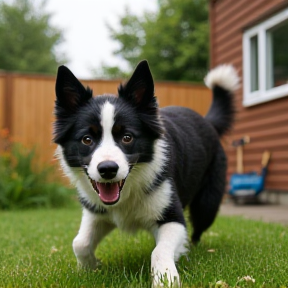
<point>170,244</point>
<point>92,230</point>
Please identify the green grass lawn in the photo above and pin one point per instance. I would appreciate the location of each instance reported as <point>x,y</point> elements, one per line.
<point>36,251</point>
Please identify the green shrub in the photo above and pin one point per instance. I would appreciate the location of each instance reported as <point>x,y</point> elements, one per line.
<point>24,185</point>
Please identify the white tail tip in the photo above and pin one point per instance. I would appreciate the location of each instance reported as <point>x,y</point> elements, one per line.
<point>224,76</point>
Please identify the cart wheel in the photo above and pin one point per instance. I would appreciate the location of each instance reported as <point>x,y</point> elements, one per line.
<point>239,201</point>
<point>235,200</point>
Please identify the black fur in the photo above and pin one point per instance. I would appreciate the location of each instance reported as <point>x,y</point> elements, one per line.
<point>222,111</point>
<point>92,208</point>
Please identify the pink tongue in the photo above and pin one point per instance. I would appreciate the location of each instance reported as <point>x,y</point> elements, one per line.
<point>108,192</point>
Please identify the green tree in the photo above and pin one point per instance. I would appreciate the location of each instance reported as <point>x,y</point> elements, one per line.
<point>110,72</point>
<point>27,40</point>
<point>175,40</point>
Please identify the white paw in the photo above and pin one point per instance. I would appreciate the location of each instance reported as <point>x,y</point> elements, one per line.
<point>164,272</point>
<point>84,254</point>
<point>168,278</point>
<point>89,263</point>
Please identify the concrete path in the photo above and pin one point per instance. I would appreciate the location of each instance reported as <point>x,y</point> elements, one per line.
<point>264,212</point>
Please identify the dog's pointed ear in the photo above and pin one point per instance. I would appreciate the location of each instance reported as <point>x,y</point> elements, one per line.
<point>70,93</point>
<point>139,90</point>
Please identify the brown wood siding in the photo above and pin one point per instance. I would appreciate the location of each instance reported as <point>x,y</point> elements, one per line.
<point>267,123</point>
<point>30,99</point>
<point>2,87</point>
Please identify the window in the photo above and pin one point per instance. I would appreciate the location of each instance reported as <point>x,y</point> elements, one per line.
<point>265,60</point>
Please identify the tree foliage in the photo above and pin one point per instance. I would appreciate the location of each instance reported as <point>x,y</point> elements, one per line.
<point>27,40</point>
<point>175,40</point>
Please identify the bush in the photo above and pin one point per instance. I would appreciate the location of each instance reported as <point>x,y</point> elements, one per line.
<point>24,185</point>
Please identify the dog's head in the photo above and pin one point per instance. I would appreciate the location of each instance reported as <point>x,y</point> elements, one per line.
<point>105,136</point>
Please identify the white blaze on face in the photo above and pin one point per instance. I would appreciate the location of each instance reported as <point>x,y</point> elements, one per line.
<point>107,122</point>
<point>108,150</point>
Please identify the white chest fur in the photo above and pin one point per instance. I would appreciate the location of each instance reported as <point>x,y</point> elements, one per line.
<point>141,210</point>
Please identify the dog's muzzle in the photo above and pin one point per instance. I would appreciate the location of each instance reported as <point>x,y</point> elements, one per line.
<point>107,189</point>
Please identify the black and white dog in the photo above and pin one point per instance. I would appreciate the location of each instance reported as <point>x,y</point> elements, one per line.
<point>137,166</point>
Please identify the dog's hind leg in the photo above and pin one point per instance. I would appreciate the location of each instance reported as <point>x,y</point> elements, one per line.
<point>92,230</point>
<point>205,205</point>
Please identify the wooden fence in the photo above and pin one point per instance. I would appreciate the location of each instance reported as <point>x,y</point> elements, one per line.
<point>27,103</point>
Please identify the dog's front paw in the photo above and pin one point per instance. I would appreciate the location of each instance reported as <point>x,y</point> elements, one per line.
<point>85,255</point>
<point>164,272</point>
<point>167,278</point>
<point>88,263</point>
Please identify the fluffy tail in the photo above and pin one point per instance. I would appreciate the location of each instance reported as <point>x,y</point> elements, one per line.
<point>223,81</point>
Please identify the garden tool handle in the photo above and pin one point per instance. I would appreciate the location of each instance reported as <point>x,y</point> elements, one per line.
<point>265,158</point>
<point>239,143</point>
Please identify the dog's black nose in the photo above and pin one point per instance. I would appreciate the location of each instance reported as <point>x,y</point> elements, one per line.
<point>108,169</point>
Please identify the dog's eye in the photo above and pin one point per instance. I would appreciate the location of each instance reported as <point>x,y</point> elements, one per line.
<point>127,139</point>
<point>87,140</point>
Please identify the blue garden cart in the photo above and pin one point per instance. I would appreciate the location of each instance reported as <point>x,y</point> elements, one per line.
<point>246,187</point>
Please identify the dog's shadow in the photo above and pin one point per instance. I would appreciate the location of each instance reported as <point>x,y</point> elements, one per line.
<point>131,253</point>
<point>130,256</point>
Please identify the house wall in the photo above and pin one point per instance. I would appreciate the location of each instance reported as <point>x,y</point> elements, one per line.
<point>267,123</point>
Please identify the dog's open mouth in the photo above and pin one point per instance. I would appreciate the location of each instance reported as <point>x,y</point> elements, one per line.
<point>109,192</point>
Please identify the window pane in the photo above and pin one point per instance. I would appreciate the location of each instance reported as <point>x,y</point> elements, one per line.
<point>254,63</point>
<point>277,55</point>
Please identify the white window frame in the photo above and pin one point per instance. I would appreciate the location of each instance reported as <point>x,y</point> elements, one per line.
<point>262,94</point>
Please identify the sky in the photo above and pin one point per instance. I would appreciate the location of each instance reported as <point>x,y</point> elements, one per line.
<point>86,37</point>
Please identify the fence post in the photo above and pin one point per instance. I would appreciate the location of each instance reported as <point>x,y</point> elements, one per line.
<point>8,103</point>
